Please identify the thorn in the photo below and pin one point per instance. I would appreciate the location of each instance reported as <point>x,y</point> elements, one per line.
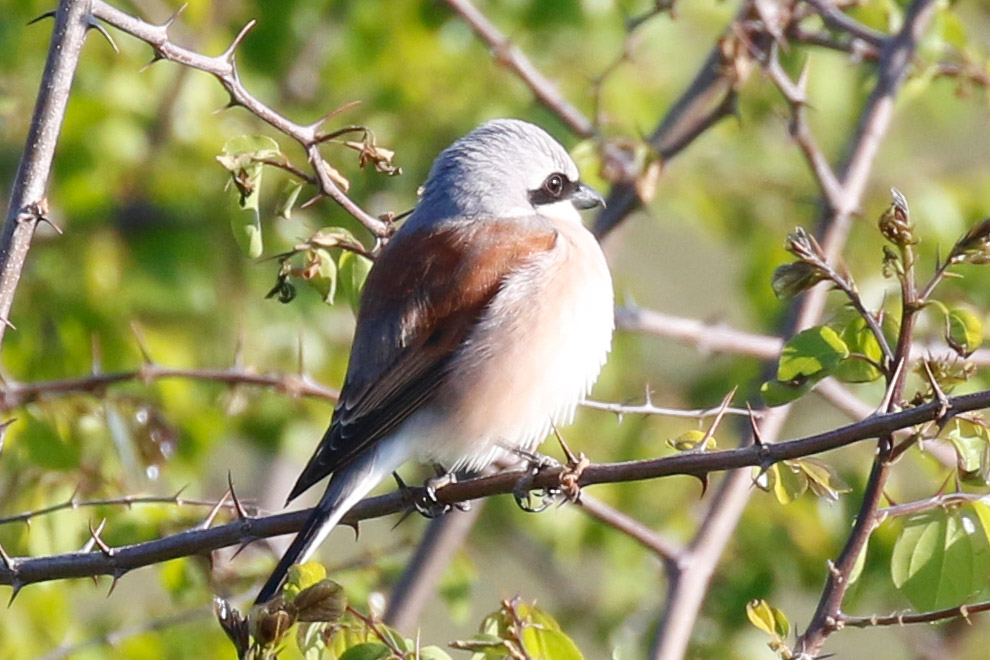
<point>8,563</point>
<point>157,57</point>
<point>802,81</point>
<point>113,585</point>
<point>101,544</point>
<point>240,549</point>
<point>47,14</point>
<point>571,458</point>
<point>142,346</point>
<point>93,24</point>
<point>13,594</point>
<point>71,501</point>
<point>177,497</point>
<point>703,478</point>
<point>7,323</point>
<point>241,513</point>
<point>211,516</point>
<point>171,19</point>
<point>754,426</point>
<point>228,54</point>
<point>312,200</point>
<point>330,115</point>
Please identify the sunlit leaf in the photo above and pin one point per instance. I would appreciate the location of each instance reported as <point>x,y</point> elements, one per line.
<point>811,353</point>
<point>366,651</point>
<point>768,619</point>
<point>543,643</point>
<point>788,482</point>
<point>972,445</point>
<point>690,440</point>
<point>940,558</point>
<point>823,480</point>
<point>963,330</point>
<point>860,340</point>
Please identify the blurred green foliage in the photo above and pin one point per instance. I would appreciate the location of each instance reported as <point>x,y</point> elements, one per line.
<point>148,245</point>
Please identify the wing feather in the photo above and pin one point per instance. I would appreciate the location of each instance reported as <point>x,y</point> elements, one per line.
<point>420,304</point>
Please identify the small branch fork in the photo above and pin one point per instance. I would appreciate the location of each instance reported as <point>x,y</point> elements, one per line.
<point>19,571</point>
<point>224,68</point>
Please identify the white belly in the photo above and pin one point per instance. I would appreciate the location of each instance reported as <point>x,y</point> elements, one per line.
<point>534,355</point>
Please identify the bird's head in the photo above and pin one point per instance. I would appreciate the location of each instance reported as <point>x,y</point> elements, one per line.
<point>504,168</point>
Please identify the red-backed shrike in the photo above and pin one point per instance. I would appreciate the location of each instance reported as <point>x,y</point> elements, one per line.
<point>486,318</point>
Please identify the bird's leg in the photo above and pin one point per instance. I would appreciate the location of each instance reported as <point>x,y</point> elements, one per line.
<point>535,463</point>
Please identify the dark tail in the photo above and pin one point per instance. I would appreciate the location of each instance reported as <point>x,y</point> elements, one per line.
<point>346,488</point>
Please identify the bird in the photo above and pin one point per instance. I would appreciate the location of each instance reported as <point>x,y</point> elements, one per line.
<point>484,321</point>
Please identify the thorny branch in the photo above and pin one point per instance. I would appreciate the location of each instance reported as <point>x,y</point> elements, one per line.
<point>224,68</point>
<point>19,571</point>
<point>874,121</point>
<point>28,205</point>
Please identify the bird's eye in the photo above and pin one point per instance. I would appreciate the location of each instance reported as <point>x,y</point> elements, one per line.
<point>554,185</point>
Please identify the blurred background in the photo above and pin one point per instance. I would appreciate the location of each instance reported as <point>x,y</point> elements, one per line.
<point>147,245</point>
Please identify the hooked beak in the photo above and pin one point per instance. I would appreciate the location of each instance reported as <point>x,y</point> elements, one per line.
<point>585,197</point>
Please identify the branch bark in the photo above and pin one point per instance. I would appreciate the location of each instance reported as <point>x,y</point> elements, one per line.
<point>19,571</point>
<point>28,205</point>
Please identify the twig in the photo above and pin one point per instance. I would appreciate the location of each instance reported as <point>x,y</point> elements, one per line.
<point>511,57</point>
<point>28,206</point>
<point>873,123</point>
<point>648,408</point>
<point>224,69</point>
<point>667,551</point>
<point>125,501</point>
<point>957,612</point>
<point>937,502</point>
<point>15,395</point>
<point>837,20</point>
<point>22,570</point>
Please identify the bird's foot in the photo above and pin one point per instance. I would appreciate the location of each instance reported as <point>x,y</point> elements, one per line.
<point>534,500</point>
<point>424,499</point>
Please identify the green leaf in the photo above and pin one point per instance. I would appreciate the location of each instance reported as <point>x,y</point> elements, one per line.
<point>811,354</point>
<point>777,393</point>
<point>972,447</point>
<point>787,481</point>
<point>321,273</point>
<point>433,653</point>
<point>768,619</point>
<point>690,440</point>
<point>290,193</point>
<point>791,279</point>
<point>860,340</point>
<point>543,643</point>
<point>303,576</point>
<point>824,481</point>
<point>857,568</point>
<point>246,228</point>
<point>241,158</point>
<point>366,651</point>
<point>352,270</point>
<point>940,559</point>
<point>963,330</point>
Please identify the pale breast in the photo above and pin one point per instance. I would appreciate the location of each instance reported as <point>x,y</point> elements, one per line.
<point>534,355</point>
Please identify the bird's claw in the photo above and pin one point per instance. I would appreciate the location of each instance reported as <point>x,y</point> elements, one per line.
<point>424,500</point>
<point>522,492</point>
